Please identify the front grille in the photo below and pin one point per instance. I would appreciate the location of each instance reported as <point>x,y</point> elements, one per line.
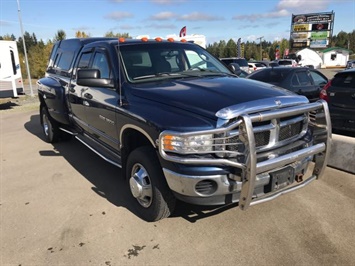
<point>262,138</point>
<point>289,131</point>
<point>268,135</point>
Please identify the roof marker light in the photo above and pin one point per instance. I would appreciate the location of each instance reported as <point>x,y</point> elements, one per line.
<point>121,39</point>
<point>183,40</point>
<point>170,39</point>
<point>144,39</point>
<point>158,39</point>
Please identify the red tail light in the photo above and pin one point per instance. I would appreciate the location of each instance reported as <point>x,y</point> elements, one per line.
<point>323,94</point>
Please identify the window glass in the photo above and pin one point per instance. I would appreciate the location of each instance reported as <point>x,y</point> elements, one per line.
<point>64,60</point>
<point>196,60</point>
<point>84,60</point>
<point>168,61</point>
<point>303,79</point>
<point>13,63</point>
<point>100,62</point>
<point>317,78</point>
<point>344,80</point>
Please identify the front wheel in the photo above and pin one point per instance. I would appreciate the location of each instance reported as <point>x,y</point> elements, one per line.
<point>152,198</point>
<point>49,127</point>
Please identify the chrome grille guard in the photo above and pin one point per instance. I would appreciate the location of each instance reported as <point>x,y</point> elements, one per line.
<point>319,122</point>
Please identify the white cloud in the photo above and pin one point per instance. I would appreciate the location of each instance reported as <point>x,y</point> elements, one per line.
<point>303,6</point>
<point>119,15</point>
<point>256,17</point>
<point>163,16</point>
<point>197,16</point>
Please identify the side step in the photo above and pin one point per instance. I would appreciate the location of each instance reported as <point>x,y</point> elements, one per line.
<point>97,148</point>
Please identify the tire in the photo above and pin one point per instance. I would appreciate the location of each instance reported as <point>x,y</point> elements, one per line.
<point>50,128</point>
<point>151,197</point>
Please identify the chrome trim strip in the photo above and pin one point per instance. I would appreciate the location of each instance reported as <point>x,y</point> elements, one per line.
<point>99,154</point>
<point>67,131</point>
<point>260,106</point>
<point>289,158</point>
<point>130,126</point>
<point>270,197</point>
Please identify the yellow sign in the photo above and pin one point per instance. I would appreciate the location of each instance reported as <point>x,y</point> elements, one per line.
<point>301,27</point>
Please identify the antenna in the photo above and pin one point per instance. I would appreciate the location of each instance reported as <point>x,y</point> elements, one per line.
<point>119,71</point>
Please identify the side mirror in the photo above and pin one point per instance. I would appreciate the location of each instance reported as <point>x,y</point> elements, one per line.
<point>235,68</point>
<point>92,78</point>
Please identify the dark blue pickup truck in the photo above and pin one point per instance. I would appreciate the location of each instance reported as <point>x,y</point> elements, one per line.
<point>181,124</point>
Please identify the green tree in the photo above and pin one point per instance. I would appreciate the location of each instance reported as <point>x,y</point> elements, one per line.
<point>118,35</point>
<point>231,49</point>
<point>81,34</point>
<point>30,41</point>
<point>59,36</point>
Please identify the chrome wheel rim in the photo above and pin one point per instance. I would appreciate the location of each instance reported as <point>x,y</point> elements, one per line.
<point>45,124</point>
<point>140,185</point>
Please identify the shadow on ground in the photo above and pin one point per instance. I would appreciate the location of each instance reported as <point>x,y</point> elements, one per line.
<point>7,105</point>
<point>107,180</point>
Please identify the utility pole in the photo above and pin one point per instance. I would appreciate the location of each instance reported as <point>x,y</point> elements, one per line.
<point>261,49</point>
<point>24,48</point>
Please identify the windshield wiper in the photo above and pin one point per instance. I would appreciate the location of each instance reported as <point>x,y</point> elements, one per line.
<point>209,72</point>
<point>157,75</point>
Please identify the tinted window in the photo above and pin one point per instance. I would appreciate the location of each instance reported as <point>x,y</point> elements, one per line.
<point>318,79</point>
<point>274,76</point>
<point>100,62</point>
<point>13,62</point>
<point>242,62</point>
<point>285,63</point>
<point>84,60</point>
<point>301,79</point>
<point>344,80</point>
<point>64,60</point>
<point>227,61</point>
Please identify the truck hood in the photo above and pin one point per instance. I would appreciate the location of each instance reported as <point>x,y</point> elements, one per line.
<point>206,96</point>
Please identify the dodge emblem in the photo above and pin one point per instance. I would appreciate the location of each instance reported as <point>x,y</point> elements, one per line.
<point>278,102</point>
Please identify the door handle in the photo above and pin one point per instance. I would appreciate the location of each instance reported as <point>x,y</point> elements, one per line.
<point>71,90</point>
<point>88,96</point>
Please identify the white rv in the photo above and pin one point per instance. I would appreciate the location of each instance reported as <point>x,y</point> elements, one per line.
<point>11,84</point>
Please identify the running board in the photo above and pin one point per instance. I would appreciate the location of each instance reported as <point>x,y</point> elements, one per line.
<point>104,153</point>
<point>68,131</point>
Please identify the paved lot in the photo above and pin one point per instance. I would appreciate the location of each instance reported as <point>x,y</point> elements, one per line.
<point>62,204</point>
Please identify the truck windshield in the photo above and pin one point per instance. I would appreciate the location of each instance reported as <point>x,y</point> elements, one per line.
<point>168,61</point>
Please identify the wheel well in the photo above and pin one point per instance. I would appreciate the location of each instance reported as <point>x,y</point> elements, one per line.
<point>132,139</point>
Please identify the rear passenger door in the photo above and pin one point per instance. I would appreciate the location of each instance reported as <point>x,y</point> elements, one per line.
<point>302,83</point>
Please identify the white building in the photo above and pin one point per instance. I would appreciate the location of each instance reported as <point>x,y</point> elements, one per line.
<point>335,57</point>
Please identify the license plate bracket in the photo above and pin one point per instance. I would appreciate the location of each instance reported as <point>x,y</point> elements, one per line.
<point>280,179</point>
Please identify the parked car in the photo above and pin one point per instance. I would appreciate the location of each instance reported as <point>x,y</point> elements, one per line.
<point>265,63</point>
<point>301,80</point>
<point>286,62</point>
<point>255,66</point>
<point>350,64</point>
<point>340,95</point>
<point>242,62</point>
<point>235,68</point>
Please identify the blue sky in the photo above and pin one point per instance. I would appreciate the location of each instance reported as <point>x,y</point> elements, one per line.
<point>217,20</point>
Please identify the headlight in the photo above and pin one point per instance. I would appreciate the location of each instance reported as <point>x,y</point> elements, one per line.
<point>187,144</point>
